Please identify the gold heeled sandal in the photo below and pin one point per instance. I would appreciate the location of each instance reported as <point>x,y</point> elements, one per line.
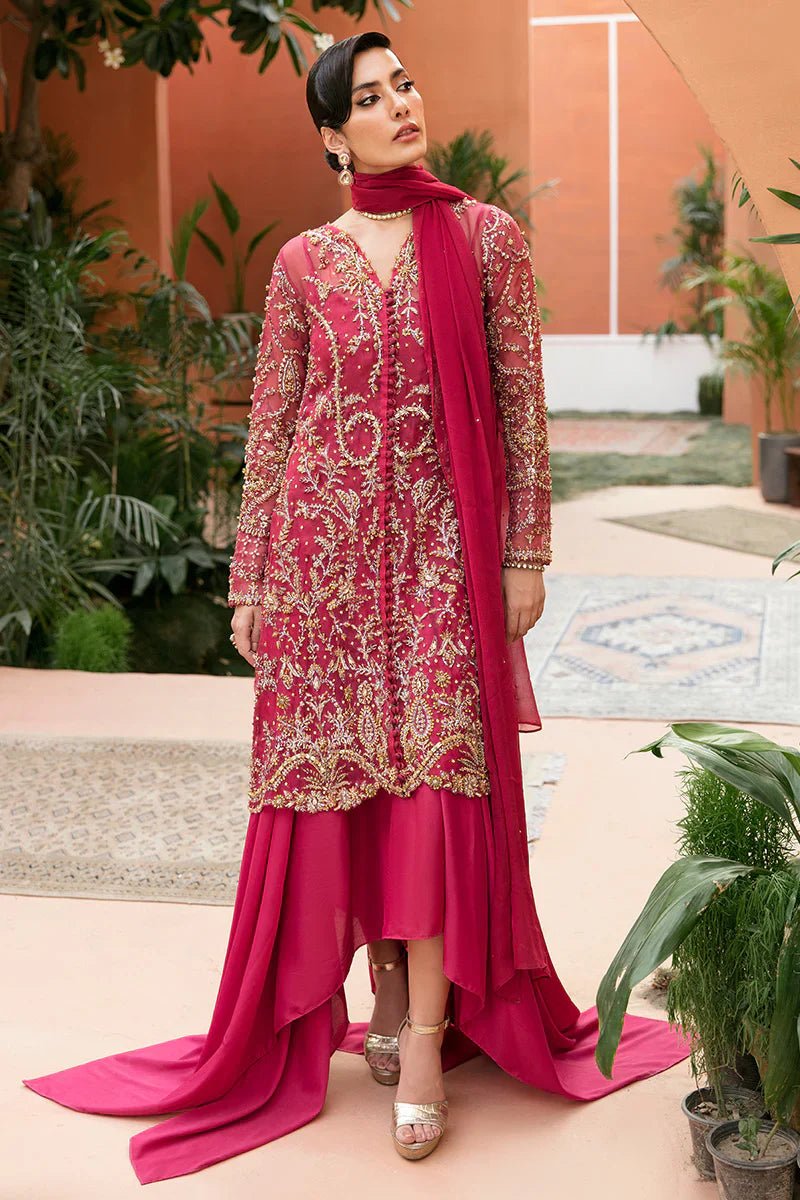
<point>381,1043</point>
<point>404,1112</point>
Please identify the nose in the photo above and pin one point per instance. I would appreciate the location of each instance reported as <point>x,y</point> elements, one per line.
<point>400,104</point>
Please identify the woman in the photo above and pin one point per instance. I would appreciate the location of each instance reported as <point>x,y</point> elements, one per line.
<point>394,527</point>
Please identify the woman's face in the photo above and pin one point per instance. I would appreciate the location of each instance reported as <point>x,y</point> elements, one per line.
<point>384,100</point>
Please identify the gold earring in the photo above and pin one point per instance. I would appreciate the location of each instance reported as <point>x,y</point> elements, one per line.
<point>345,176</point>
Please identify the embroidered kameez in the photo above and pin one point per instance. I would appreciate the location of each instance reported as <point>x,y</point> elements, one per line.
<point>348,538</point>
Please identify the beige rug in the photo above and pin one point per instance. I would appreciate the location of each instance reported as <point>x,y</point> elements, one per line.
<point>144,819</point>
<point>726,525</point>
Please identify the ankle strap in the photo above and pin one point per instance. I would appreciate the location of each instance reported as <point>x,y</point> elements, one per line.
<point>386,966</point>
<point>426,1028</point>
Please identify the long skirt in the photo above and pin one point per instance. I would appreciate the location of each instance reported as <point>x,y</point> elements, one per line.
<point>313,888</point>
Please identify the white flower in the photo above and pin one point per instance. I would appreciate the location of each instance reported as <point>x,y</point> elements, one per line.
<point>104,45</point>
<point>322,41</point>
<point>114,58</point>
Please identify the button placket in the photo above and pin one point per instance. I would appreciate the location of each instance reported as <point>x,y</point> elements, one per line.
<point>391,499</point>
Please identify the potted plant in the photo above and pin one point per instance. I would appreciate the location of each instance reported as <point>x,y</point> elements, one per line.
<point>754,1160</point>
<point>728,912</point>
<point>704,1113</point>
<point>770,351</point>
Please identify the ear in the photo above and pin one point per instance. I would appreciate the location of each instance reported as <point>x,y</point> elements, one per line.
<point>334,141</point>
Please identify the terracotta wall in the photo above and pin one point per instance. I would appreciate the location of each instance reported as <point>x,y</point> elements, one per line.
<point>738,59</point>
<point>614,122</point>
<point>114,125</point>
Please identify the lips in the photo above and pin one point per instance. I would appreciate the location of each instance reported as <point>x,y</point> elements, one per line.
<point>406,129</point>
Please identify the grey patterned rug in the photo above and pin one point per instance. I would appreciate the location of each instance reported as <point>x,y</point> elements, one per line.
<point>668,647</point>
<point>145,819</point>
<point>723,525</point>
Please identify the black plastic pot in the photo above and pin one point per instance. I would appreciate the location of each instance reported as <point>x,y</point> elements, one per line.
<point>746,1102</point>
<point>773,465</point>
<point>761,1179</point>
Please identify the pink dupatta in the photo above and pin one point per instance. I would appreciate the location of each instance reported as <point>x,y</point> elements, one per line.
<point>468,432</point>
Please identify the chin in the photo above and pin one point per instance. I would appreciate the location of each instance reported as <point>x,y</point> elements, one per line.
<point>408,155</point>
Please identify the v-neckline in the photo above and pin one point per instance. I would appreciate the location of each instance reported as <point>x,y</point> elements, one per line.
<point>368,261</point>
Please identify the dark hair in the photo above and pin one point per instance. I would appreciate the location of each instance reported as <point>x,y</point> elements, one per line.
<point>330,82</point>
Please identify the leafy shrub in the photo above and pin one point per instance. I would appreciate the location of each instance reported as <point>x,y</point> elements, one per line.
<point>95,639</point>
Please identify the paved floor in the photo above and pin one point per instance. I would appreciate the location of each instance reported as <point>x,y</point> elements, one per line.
<point>85,978</point>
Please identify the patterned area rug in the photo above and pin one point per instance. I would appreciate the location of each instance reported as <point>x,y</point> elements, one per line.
<point>726,525</point>
<point>669,648</point>
<point>145,819</point>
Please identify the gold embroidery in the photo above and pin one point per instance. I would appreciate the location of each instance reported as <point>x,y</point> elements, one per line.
<point>513,334</point>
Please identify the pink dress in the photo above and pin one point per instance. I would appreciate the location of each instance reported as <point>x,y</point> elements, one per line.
<point>369,808</point>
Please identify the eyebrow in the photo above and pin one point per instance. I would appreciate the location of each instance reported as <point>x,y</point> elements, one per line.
<point>376,82</point>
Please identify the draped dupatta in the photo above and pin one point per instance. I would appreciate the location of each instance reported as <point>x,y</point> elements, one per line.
<point>469,438</point>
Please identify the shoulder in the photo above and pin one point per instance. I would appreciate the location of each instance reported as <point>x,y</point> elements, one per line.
<point>292,261</point>
<point>499,229</point>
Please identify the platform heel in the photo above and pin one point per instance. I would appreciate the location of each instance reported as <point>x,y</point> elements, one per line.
<point>404,1112</point>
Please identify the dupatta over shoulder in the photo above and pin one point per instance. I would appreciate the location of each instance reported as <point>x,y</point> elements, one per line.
<point>468,433</point>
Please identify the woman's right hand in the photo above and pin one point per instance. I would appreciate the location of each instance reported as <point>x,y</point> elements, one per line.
<point>246,627</point>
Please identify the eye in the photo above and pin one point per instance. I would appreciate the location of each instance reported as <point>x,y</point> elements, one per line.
<point>407,83</point>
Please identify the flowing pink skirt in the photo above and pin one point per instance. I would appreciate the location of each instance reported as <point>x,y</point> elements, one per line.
<point>314,888</point>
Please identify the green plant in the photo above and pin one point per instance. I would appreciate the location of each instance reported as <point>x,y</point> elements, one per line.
<point>691,888</point>
<point>699,236</point>
<point>240,262</point>
<point>749,1129</point>
<point>171,453</point>
<point>93,639</point>
<point>722,991</point>
<point>61,388</point>
<point>709,393</point>
<point>772,349</point>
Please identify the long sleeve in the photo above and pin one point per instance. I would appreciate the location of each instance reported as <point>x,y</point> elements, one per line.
<point>275,400</point>
<point>513,335</point>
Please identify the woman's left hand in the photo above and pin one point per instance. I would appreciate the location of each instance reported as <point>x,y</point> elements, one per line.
<point>523,600</point>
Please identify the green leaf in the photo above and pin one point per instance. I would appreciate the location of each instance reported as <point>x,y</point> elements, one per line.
<point>788,197</point>
<point>22,616</point>
<point>256,240</point>
<point>295,52</point>
<point>187,225</point>
<point>672,910</point>
<point>229,210</point>
<point>212,246</point>
<point>753,764</point>
<point>174,567</point>
<point>792,551</point>
<point>779,239</point>
<point>44,58</point>
<point>782,1077</point>
<point>144,577</point>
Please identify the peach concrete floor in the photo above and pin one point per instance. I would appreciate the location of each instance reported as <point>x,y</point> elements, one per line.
<point>85,978</point>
